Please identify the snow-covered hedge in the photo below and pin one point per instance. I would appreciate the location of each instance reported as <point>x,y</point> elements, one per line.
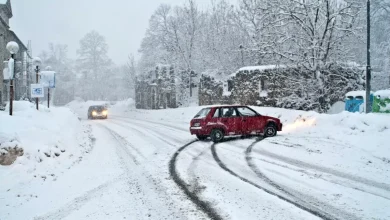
<point>286,87</point>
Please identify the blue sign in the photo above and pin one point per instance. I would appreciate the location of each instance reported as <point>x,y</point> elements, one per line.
<point>37,91</point>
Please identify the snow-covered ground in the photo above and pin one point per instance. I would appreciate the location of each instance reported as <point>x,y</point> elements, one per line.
<point>144,164</point>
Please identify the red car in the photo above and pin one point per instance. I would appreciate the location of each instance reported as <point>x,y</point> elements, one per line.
<point>221,121</point>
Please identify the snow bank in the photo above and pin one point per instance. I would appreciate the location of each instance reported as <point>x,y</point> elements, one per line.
<point>383,94</point>
<point>357,93</point>
<point>52,139</point>
<point>337,108</point>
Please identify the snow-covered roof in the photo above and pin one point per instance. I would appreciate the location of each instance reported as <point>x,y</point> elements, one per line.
<point>383,93</point>
<point>2,2</point>
<point>357,93</point>
<point>259,68</point>
<point>216,74</point>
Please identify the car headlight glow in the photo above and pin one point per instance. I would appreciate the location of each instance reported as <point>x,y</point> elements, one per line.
<point>105,112</point>
<point>94,113</point>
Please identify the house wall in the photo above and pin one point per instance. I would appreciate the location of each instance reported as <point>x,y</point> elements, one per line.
<point>3,55</point>
<point>6,35</point>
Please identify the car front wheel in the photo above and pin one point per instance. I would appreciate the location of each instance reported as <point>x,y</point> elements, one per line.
<point>217,135</point>
<point>270,131</point>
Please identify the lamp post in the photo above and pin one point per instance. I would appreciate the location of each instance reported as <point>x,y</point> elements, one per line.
<point>37,62</point>
<point>13,48</point>
<point>368,69</point>
<point>242,55</point>
<point>48,68</point>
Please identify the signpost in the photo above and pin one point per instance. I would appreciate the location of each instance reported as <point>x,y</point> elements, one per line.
<point>48,80</point>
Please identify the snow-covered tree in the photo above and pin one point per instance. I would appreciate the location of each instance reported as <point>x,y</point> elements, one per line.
<point>95,66</point>
<point>56,58</point>
<point>381,40</point>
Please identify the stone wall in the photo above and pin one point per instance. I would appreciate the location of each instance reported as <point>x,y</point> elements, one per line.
<point>293,88</point>
<point>156,89</point>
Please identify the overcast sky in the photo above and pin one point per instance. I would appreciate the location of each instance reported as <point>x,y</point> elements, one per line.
<point>122,22</point>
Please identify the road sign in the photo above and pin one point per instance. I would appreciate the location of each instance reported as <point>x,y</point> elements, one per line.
<point>37,91</point>
<point>48,79</point>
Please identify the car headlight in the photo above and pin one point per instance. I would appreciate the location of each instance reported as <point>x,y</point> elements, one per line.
<point>105,112</point>
<point>196,124</point>
<point>94,113</point>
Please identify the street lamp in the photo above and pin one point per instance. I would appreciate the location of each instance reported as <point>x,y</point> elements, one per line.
<point>242,55</point>
<point>13,48</point>
<point>37,62</point>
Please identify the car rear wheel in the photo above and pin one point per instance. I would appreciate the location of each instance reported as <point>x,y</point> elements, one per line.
<point>217,135</point>
<point>201,137</point>
<point>270,131</point>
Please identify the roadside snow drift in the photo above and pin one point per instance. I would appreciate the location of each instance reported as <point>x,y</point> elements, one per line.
<point>48,140</point>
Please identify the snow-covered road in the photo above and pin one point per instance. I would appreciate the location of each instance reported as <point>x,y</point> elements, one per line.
<point>153,169</point>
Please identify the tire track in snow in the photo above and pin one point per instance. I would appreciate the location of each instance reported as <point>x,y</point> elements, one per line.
<point>224,167</point>
<point>153,122</point>
<point>293,193</point>
<point>158,134</point>
<point>337,173</point>
<point>196,188</point>
<point>78,202</point>
<point>123,143</point>
<point>202,205</point>
<point>153,197</point>
<point>325,179</point>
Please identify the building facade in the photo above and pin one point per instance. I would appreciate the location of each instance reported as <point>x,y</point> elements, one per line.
<point>22,76</point>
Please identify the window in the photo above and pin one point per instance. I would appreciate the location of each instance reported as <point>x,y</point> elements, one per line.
<point>203,113</point>
<point>229,112</point>
<point>263,85</point>
<point>244,111</point>
<point>230,85</point>
<point>216,114</point>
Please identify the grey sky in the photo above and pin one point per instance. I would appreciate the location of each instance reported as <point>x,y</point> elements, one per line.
<point>122,22</point>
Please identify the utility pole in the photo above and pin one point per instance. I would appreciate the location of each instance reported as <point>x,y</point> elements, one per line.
<point>368,69</point>
<point>190,82</point>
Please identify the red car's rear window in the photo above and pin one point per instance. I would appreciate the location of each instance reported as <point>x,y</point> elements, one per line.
<point>203,113</point>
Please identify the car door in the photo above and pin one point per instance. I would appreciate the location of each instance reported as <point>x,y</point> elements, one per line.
<point>231,120</point>
<point>251,121</point>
